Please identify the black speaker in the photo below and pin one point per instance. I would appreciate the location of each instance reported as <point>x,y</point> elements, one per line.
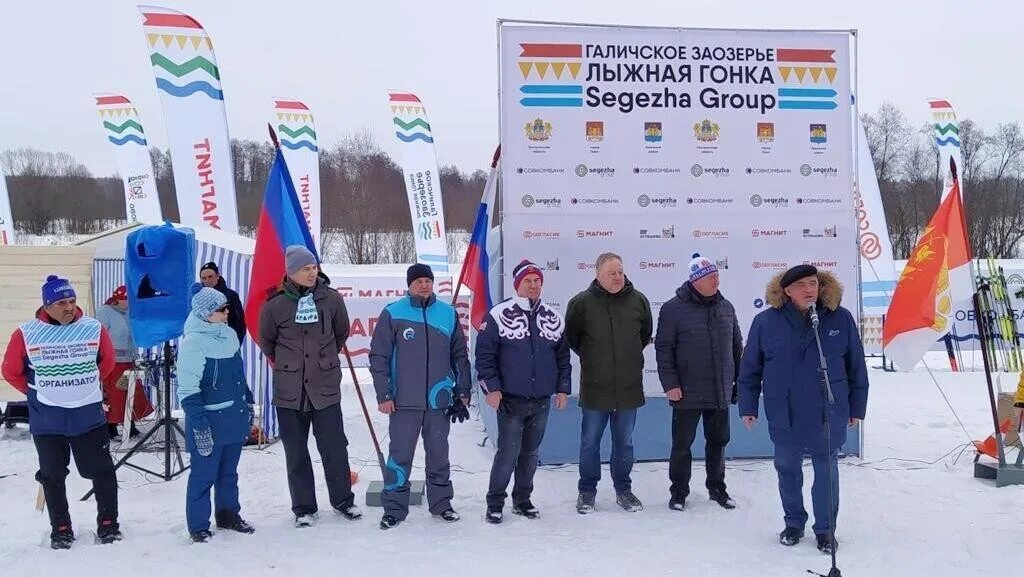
<point>159,262</point>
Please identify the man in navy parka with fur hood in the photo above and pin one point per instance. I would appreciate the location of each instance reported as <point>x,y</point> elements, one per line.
<point>781,360</point>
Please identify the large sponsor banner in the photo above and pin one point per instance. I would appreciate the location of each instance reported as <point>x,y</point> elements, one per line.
<point>297,133</point>
<point>123,129</point>
<point>6,220</point>
<point>657,144</point>
<point>422,179</point>
<point>192,99</point>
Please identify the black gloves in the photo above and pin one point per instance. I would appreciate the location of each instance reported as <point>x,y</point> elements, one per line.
<point>457,411</point>
<point>734,394</point>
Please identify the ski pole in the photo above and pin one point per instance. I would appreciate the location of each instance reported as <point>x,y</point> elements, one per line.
<point>366,414</point>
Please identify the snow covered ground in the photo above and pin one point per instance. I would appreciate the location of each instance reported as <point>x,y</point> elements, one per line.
<point>909,507</point>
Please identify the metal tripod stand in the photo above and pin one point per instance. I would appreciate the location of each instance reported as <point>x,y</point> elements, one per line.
<point>167,424</point>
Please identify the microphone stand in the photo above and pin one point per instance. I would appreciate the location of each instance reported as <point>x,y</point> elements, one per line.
<point>827,394</point>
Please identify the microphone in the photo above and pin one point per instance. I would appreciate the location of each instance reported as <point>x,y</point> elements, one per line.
<point>814,315</point>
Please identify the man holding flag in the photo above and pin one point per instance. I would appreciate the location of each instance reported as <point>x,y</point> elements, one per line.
<point>303,324</point>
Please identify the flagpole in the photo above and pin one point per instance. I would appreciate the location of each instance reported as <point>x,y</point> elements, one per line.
<point>462,271</point>
<point>366,413</point>
<point>273,136</point>
<point>262,435</point>
<point>955,178</point>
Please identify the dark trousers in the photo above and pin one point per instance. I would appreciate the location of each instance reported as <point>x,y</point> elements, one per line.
<point>218,471</point>
<point>521,424</point>
<point>789,466</point>
<point>92,459</point>
<point>405,428</point>
<point>332,445</point>
<point>621,462</point>
<point>716,437</point>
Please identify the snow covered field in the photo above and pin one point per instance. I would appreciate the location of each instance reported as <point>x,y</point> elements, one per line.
<point>899,515</point>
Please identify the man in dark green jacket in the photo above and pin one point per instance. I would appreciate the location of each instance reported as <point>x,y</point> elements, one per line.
<point>608,325</point>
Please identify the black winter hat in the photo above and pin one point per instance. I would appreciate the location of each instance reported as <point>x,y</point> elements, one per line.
<point>418,270</point>
<point>796,273</point>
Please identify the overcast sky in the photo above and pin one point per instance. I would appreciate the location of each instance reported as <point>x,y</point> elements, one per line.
<point>341,57</point>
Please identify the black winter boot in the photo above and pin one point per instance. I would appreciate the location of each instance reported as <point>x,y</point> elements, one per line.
<point>790,536</point>
<point>108,531</point>
<point>494,515</point>
<point>62,537</point>
<point>203,536</point>
<point>526,509</point>
<point>388,522</point>
<point>824,545</point>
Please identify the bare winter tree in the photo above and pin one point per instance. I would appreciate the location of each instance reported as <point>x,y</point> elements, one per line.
<point>910,176</point>
<point>457,241</point>
<point>251,161</point>
<point>45,188</point>
<point>364,203</point>
<point>995,204</point>
<point>975,152</point>
<point>911,198</point>
<point>163,172</point>
<point>330,244</point>
<point>401,246</point>
<point>358,170</point>
<point>888,136</point>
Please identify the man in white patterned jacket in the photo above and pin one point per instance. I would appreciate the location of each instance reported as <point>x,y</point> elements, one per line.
<point>59,360</point>
<point>522,359</point>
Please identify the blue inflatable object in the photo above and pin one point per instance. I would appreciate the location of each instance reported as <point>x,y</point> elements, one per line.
<point>159,262</point>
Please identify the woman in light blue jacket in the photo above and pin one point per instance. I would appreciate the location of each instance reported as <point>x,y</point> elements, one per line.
<point>217,404</point>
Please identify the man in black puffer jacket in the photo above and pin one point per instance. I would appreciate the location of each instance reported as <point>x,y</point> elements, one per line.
<point>698,348</point>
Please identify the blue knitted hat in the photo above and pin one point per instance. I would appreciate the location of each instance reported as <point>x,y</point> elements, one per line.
<point>56,289</point>
<point>206,301</point>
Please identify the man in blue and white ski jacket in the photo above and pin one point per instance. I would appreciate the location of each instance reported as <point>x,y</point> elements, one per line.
<point>421,374</point>
<point>522,359</point>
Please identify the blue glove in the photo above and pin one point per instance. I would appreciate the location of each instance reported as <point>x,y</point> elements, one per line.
<point>202,436</point>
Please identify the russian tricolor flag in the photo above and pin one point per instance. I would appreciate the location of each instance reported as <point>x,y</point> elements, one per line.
<point>476,266</point>
<point>281,225</point>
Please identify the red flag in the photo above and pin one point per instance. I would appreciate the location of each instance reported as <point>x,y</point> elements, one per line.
<point>281,225</point>
<point>936,278</point>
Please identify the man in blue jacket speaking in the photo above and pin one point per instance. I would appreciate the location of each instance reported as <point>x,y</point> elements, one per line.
<point>522,359</point>
<point>420,371</point>
<point>781,360</point>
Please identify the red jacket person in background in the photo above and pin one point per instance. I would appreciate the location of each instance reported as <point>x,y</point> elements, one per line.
<point>113,315</point>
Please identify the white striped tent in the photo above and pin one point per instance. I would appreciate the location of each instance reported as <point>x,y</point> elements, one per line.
<point>233,255</point>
